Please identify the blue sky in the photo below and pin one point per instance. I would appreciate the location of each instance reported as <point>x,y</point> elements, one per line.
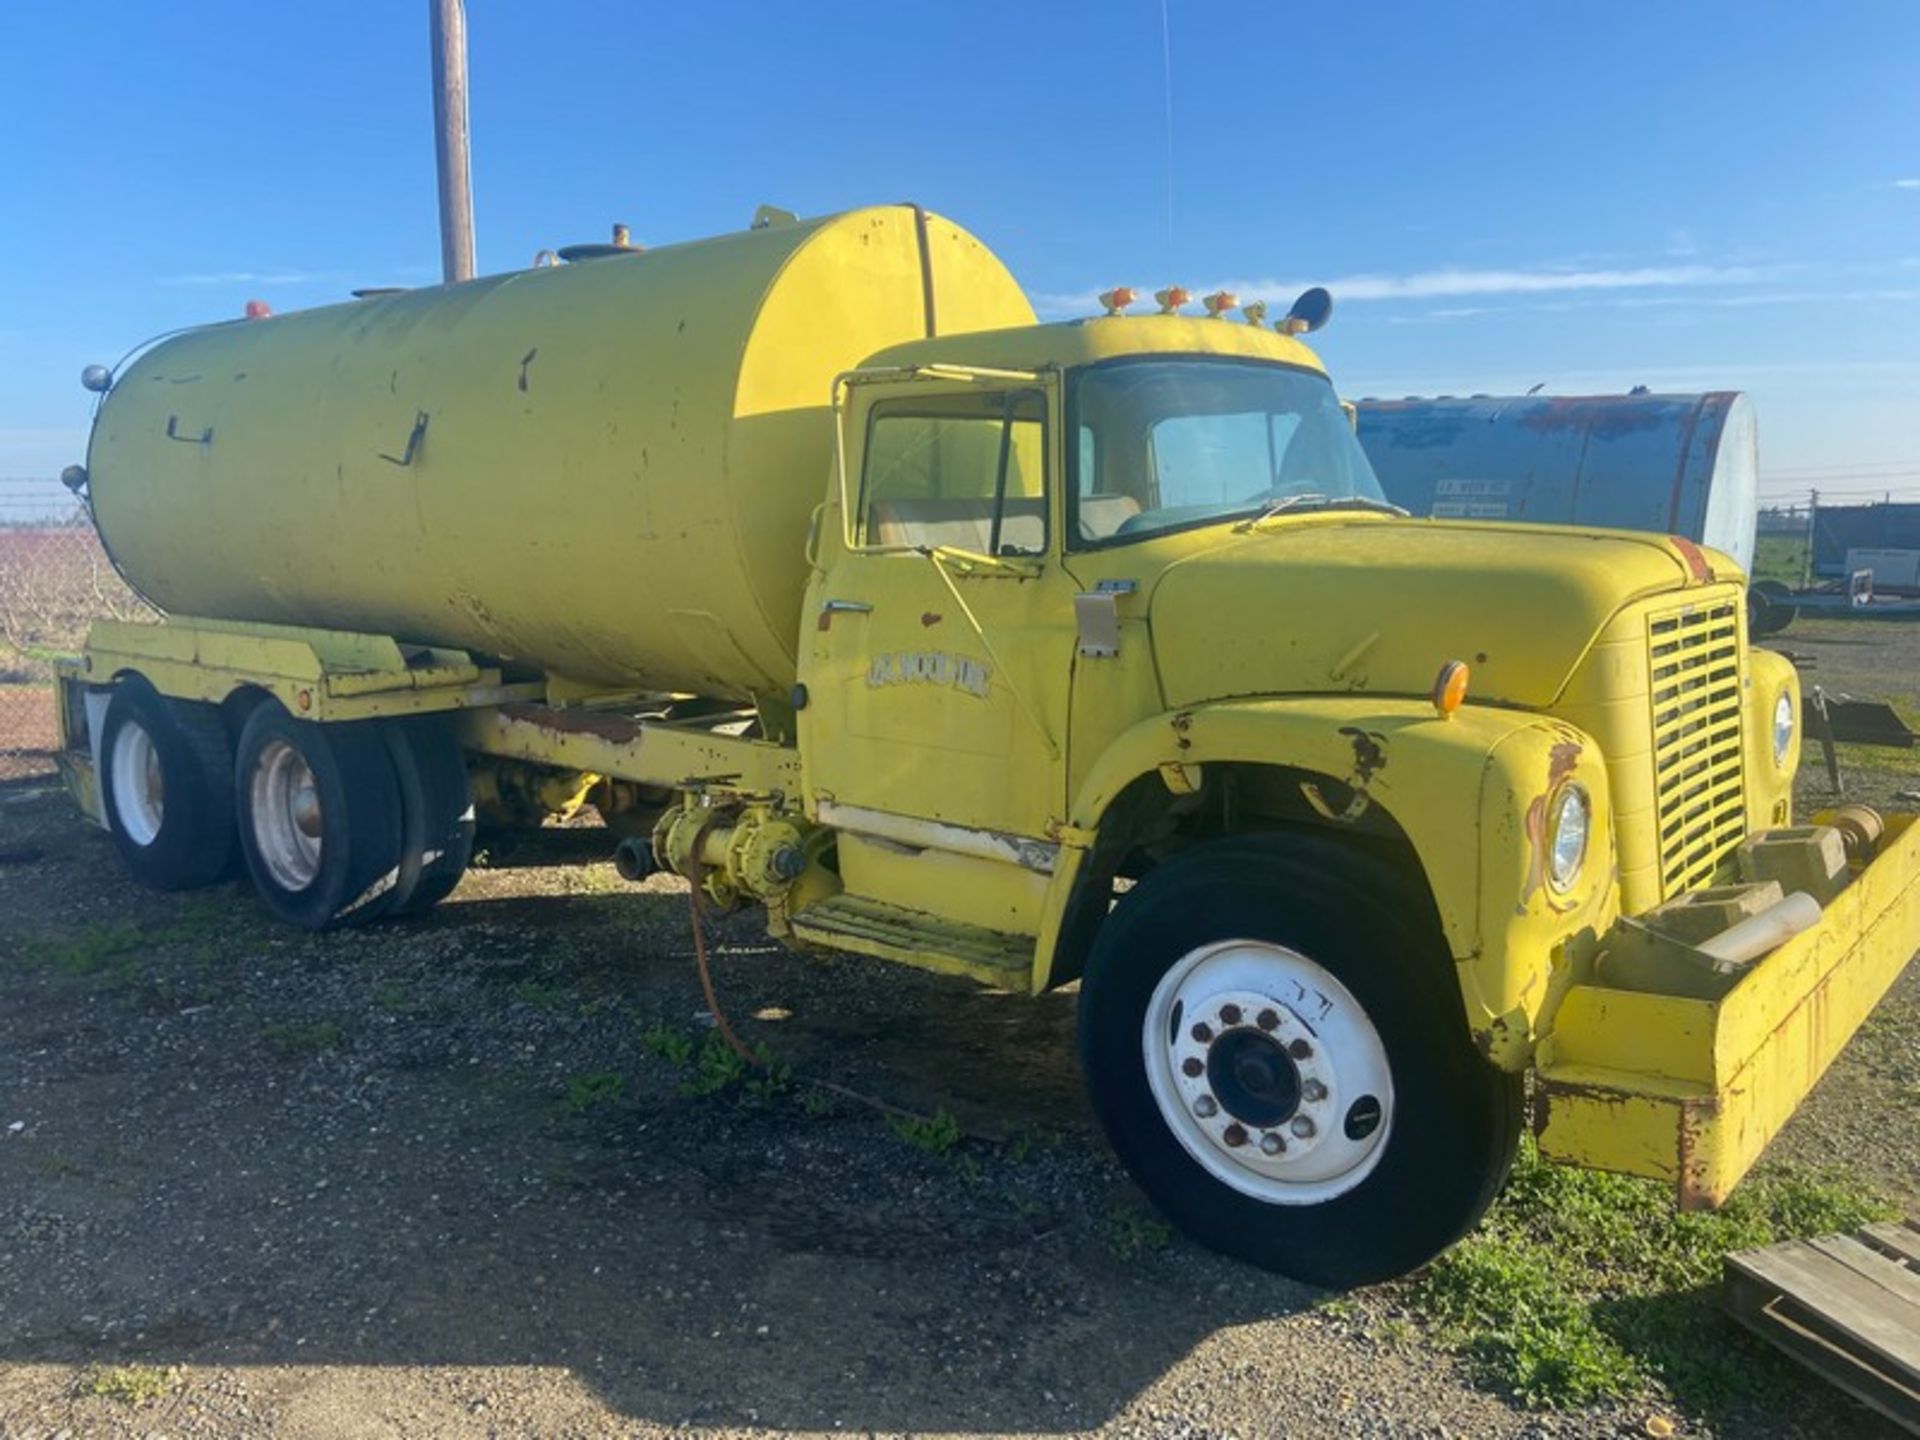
<point>1689,196</point>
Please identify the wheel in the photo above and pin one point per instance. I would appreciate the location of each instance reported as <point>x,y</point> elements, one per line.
<point>436,811</point>
<point>166,784</point>
<point>1274,1040</point>
<point>1770,607</point>
<point>320,818</point>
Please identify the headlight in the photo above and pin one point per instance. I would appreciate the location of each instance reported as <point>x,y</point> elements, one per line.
<point>1783,720</point>
<point>1572,819</point>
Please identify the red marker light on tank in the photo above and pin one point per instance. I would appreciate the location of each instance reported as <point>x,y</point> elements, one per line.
<point>258,310</point>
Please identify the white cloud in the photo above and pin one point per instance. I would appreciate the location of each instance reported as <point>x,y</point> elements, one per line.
<point>1452,283</point>
<point>1909,184</point>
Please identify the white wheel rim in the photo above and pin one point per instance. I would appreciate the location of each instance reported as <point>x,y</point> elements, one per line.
<point>139,788</point>
<point>1268,1071</point>
<point>284,804</point>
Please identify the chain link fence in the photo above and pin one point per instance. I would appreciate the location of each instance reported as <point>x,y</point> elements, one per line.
<point>55,581</point>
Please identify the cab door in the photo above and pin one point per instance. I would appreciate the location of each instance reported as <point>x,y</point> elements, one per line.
<point>938,642</point>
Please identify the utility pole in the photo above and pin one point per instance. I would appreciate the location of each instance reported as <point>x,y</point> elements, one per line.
<point>448,22</point>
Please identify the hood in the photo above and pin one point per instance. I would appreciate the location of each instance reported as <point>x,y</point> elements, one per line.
<point>1341,603</point>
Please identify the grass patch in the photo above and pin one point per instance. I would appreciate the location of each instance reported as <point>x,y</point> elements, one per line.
<point>93,949</point>
<point>129,1384</point>
<point>598,1087</point>
<point>936,1135</point>
<point>667,1042</point>
<point>1130,1232</point>
<point>1780,557</point>
<point>1583,1287</point>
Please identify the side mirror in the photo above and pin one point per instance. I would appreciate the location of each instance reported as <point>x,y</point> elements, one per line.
<point>1309,312</point>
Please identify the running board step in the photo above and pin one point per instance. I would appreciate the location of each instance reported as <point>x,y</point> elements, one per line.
<point>912,937</point>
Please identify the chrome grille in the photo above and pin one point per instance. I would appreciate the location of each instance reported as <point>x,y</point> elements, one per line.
<point>1694,660</point>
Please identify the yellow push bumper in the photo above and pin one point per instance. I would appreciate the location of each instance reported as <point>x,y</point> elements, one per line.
<point>1691,1090</point>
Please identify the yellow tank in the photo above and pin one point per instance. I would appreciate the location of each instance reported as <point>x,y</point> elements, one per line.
<point>604,469</point>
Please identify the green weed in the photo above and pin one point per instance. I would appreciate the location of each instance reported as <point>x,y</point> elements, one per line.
<point>130,1384</point>
<point>598,1087</point>
<point>667,1042</point>
<point>936,1135</point>
<point>1130,1232</point>
<point>718,1068</point>
<point>1583,1287</point>
<point>93,950</point>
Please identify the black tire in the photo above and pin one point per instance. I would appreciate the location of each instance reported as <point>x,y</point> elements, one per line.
<point>192,758</point>
<point>436,811</point>
<point>1454,1120</point>
<point>1770,608</point>
<point>355,816</point>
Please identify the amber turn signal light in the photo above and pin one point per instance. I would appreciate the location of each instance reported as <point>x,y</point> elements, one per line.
<point>1450,687</point>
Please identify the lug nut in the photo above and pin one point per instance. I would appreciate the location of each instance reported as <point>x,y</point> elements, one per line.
<point>1300,1050</point>
<point>1236,1135</point>
<point>1302,1127</point>
<point>1206,1107</point>
<point>1313,1090</point>
<point>1229,1014</point>
<point>1193,1069</point>
<point>1272,1144</point>
<point>1268,1020</point>
<point>1203,1032</point>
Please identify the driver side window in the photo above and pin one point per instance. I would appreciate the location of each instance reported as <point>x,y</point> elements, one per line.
<point>966,471</point>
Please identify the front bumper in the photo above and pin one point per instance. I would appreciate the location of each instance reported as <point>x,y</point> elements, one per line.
<point>1691,1090</point>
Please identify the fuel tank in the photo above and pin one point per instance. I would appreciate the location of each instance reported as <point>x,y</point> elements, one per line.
<point>604,469</point>
<point>1672,464</point>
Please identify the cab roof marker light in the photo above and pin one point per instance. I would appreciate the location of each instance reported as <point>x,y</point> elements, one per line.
<point>1450,687</point>
<point>1117,299</point>
<point>1172,298</point>
<point>1255,312</point>
<point>1219,303</point>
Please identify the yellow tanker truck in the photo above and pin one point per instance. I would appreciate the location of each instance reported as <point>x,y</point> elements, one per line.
<point>1031,653</point>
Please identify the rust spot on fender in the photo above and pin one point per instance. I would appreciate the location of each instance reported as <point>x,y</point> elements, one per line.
<point>930,619</point>
<point>1561,760</point>
<point>1369,753</point>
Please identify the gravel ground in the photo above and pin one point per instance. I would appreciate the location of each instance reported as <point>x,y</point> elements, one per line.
<point>434,1179</point>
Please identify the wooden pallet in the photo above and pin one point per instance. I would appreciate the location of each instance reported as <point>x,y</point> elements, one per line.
<point>1845,1306</point>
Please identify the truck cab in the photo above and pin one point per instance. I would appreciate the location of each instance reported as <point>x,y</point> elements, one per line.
<point>1117,608</point>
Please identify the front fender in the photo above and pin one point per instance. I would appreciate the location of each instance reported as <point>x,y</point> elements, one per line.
<point>1470,793</point>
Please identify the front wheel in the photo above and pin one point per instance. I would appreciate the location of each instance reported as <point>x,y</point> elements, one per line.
<point>1274,1040</point>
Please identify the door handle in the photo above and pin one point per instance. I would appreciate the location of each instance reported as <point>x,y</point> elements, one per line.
<point>831,608</point>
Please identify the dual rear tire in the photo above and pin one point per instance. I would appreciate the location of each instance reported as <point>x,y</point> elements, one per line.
<point>338,824</point>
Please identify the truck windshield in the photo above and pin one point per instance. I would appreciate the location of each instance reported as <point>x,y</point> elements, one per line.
<point>1163,445</point>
